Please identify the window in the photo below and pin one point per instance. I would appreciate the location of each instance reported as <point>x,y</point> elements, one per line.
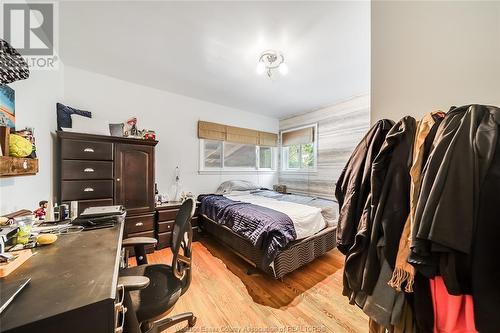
<point>239,155</point>
<point>228,156</point>
<point>265,157</point>
<point>299,148</point>
<point>212,152</point>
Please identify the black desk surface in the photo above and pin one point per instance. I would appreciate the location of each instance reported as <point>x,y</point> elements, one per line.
<point>78,270</point>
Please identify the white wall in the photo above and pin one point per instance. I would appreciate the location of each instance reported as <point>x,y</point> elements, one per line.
<point>36,98</point>
<point>173,117</point>
<point>429,55</point>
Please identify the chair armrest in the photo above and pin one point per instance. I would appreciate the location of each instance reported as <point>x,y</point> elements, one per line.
<point>133,241</point>
<point>133,282</point>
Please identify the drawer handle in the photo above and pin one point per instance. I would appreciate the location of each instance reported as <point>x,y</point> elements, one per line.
<point>88,170</point>
<point>139,224</point>
<point>88,150</point>
<point>88,189</point>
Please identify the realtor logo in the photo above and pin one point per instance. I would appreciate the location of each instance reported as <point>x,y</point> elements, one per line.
<point>29,28</point>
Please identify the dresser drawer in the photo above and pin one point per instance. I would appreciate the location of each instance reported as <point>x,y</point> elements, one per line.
<point>73,169</point>
<point>140,224</point>
<point>86,189</point>
<point>167,215</point>
<point>165,226</point>
<point>86,150</point>
<point>164,240</point>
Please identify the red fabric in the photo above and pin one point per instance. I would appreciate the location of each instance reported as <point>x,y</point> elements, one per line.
<point>452,314</point>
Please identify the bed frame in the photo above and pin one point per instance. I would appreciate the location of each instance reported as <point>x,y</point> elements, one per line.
<point>295,255</point>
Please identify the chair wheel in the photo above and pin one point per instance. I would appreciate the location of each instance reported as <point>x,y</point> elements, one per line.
<point>192,321</point>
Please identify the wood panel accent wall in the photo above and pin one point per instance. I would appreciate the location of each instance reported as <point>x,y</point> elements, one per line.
<point>340,128</point>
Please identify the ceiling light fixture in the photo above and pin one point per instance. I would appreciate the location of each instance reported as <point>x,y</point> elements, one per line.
<point>271,60</point>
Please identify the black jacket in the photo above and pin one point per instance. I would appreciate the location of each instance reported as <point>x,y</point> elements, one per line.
<point>446,215</point>
<point>386,211</point>
<point>486,246</point>
<point>353,185</point>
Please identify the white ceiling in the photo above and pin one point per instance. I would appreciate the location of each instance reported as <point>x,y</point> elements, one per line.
<point>209,50</point>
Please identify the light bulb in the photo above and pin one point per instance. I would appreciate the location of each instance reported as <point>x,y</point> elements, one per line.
<point>283,68</point>
<point>261,68</point>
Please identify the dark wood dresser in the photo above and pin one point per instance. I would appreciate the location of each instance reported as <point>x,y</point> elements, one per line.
<point>165,218</point>
<point>98,170</point>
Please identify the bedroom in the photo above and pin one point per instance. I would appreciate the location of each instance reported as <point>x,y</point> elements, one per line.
<point>253,109</point>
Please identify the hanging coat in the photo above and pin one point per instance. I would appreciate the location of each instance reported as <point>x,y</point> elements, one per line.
<point>389,185</point>
<point>353,185</point>
<point>445,217</point>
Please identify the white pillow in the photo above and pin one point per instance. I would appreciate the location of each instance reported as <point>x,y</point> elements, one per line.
<point>236,185</point>
<point>89,125</point>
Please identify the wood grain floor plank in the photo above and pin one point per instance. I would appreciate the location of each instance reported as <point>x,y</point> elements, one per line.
<point>226,298</point>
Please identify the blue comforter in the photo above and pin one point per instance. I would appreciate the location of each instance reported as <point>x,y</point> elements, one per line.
<point>265,228</point>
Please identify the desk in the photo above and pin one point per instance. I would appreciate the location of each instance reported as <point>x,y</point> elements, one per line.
<point>72,288</point>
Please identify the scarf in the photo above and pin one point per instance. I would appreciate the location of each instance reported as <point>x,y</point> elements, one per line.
<point>404,271</point>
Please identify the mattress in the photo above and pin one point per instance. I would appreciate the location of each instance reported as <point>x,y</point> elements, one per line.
<point>307,220</point>
<point>329,208</point>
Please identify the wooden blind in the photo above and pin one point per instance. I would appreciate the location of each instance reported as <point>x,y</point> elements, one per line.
<point>242,135</point>
<point>214,131</point>
<point>299,136</point>
<point>211,131</point>
<point>268,139</point>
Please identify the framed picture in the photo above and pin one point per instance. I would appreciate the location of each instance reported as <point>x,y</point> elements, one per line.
<point>7,107</point>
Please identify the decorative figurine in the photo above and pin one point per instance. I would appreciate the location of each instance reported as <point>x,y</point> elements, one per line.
<point>130,127</point>
<point>149,135</point>
<point>40,212</point>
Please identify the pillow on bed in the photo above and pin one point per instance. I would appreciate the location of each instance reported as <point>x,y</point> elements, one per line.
<point>240,193</point>
<point>236,185</point>
<point>64,115</point>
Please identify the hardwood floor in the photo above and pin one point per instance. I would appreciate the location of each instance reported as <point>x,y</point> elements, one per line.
<point>225,298</point>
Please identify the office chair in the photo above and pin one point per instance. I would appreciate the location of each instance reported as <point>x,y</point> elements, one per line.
<point>166,283</point>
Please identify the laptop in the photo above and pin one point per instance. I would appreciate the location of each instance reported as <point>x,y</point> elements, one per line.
<point>102,211</point>
<point>10,290</point>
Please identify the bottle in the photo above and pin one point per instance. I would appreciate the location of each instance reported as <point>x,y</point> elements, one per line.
<point>157,197</point>
<point>56,212</point>
<point>49,215</point>
<point>74,210</point>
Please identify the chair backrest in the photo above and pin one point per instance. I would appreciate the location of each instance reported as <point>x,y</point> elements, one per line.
<point>181,243</point>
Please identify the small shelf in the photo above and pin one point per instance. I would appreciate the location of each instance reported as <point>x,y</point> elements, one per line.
<point>17,166</point>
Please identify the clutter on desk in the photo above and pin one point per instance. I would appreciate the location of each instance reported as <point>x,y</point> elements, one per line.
<point>25,225</point>
<point>41,211</point>
<point>10,266</point>
<point>100,217</point>
<point>46,239</point>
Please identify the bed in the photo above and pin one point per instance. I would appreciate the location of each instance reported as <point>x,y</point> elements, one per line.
<point>274,232</point>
